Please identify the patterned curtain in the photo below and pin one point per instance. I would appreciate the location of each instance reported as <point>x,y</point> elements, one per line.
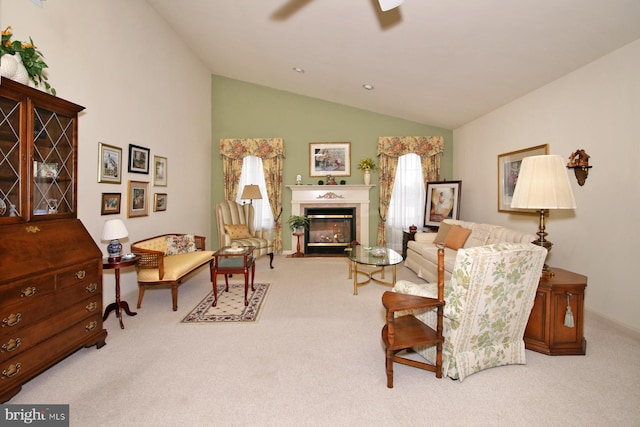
<point>271,151</point>
<point>429,148</point>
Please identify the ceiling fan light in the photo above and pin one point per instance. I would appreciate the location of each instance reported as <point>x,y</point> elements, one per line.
<point>389,4</point>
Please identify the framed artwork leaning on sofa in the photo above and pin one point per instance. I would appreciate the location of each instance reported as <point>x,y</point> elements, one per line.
<point>443,202</point>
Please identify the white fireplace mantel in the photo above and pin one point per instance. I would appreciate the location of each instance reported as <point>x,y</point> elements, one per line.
<point>313,196</point>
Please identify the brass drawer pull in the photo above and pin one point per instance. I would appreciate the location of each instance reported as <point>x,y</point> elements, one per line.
<point>91,326</point>
<point>11,345</point>
<point>91,288</point>
<point>12,320</point>
<point>81,274</point>
<point>11,371</point>
<point>91,306</point>
<point>32,229</point>
<point>28,292</point>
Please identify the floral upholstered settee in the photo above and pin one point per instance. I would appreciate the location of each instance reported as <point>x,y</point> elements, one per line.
<point>422,254</point>
<point>169,259</point>
<point>488,301</point>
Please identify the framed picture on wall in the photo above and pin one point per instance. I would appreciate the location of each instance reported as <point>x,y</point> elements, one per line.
<point>109,164</point>
<point>330,158</point>
<point>443,202</point>
<point>159,171</point>
<point>159,202</point>
<point>508,170</point>
<point>110,203</point>
<point>138,199</point>
<point>138,159</point>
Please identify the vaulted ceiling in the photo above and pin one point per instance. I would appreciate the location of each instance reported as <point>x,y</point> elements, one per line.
<point>437,62</point>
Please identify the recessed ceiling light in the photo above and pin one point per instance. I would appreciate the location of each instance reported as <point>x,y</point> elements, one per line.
<point>298,70</point>
<point>368,86</point>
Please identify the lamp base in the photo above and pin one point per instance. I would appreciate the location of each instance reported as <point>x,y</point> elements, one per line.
<point>115,249</point>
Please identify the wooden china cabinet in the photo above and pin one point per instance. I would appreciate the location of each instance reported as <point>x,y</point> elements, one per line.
<point>50,267</point>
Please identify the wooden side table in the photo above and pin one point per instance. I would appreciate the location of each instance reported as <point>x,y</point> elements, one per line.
<point>407,235</point>
<point>227,261</point>
<point>118,305</point>
<point>298,253</point>
<point>547,331</point>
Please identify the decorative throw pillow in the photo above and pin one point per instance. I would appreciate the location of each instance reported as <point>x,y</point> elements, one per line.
<point>181,244</point>
<point>442,232</point>
<point>479,235</point>
<point>456,237</point>
<point>237,231</point>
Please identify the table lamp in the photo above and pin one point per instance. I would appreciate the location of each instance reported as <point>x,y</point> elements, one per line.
<point>114,230</point>
<point>543,184</point>
<point>251,192</point>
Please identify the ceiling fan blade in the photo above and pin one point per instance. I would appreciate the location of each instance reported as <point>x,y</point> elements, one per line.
<point>389,4</point>
<point>289,9</point>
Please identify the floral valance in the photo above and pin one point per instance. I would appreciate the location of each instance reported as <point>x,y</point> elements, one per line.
<point>424,146</point>
<point>265,148</point>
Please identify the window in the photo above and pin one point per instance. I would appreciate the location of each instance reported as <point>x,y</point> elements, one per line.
<point>252,173</point>
<point>406,207</point>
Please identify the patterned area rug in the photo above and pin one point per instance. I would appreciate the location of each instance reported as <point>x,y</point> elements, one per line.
<point>230,307</point>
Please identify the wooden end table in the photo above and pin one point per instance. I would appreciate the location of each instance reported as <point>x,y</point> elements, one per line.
<point>229,260</point>
<point>547,331</point>
<point>118,305</point>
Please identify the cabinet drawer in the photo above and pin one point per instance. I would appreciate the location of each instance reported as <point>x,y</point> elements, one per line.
<point>19,340</point>
<point>77,276</point>
<point>26,290</point>
<point>23,315</point>
<point>27,364</point>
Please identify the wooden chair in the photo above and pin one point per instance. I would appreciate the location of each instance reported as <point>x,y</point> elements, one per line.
<point>406,331</point>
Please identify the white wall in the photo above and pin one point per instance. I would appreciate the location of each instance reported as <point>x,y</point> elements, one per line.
<point>596,108</point>
<point>140,85</point>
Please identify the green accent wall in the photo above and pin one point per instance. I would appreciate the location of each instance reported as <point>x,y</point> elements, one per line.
<point>245,110</point>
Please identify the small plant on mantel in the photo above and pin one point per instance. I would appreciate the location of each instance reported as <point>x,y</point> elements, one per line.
<point>298,223</point>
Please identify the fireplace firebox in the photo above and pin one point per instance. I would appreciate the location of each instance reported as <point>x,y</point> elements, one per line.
<point>330,230</point>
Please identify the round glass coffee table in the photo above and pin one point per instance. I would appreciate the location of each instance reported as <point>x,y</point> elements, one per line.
<point>378,257</point>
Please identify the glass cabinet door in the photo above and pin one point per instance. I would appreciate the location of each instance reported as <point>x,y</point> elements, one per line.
<point>11,165</point>
<point>53,158</point>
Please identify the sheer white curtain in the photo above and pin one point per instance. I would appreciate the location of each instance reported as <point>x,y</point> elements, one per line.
<point>406,207</point>
<point>252,173</point>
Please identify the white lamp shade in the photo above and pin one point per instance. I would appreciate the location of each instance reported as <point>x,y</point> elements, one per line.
<point>389,4</point>
<point>543,183</point>
<point>251,192</point>
<point>114,229</point>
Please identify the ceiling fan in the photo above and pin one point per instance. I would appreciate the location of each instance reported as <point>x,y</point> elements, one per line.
<point>389,4</point>
<point>293,6</point>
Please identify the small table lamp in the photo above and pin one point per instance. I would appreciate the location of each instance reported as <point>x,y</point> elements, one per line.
<point>251,192</point>
<point>113,230</point>
<point>543,184</point>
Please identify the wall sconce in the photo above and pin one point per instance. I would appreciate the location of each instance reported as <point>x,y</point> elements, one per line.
<point>579,162</point>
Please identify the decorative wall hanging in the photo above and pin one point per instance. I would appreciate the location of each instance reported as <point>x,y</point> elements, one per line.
<point>109,164</point>
<point>138,159</point>
<point>330,158</point>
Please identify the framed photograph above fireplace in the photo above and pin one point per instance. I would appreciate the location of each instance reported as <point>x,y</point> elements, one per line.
<point>330,158</point>
<point>443,201</point>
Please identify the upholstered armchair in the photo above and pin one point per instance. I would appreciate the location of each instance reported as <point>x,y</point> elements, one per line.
<point>235,224</point>
<point>487,305</point>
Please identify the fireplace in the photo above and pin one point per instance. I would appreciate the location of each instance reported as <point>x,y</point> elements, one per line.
<point>330,230</point>
<point>353,197</point>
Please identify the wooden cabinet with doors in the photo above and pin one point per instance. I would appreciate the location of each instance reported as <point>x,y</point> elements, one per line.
<point>556,322</point>
<point>50,267</point>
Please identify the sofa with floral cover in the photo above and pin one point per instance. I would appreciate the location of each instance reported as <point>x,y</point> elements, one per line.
<point>168,259</point>
<point>488,301</point>
<point>422,254</point>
